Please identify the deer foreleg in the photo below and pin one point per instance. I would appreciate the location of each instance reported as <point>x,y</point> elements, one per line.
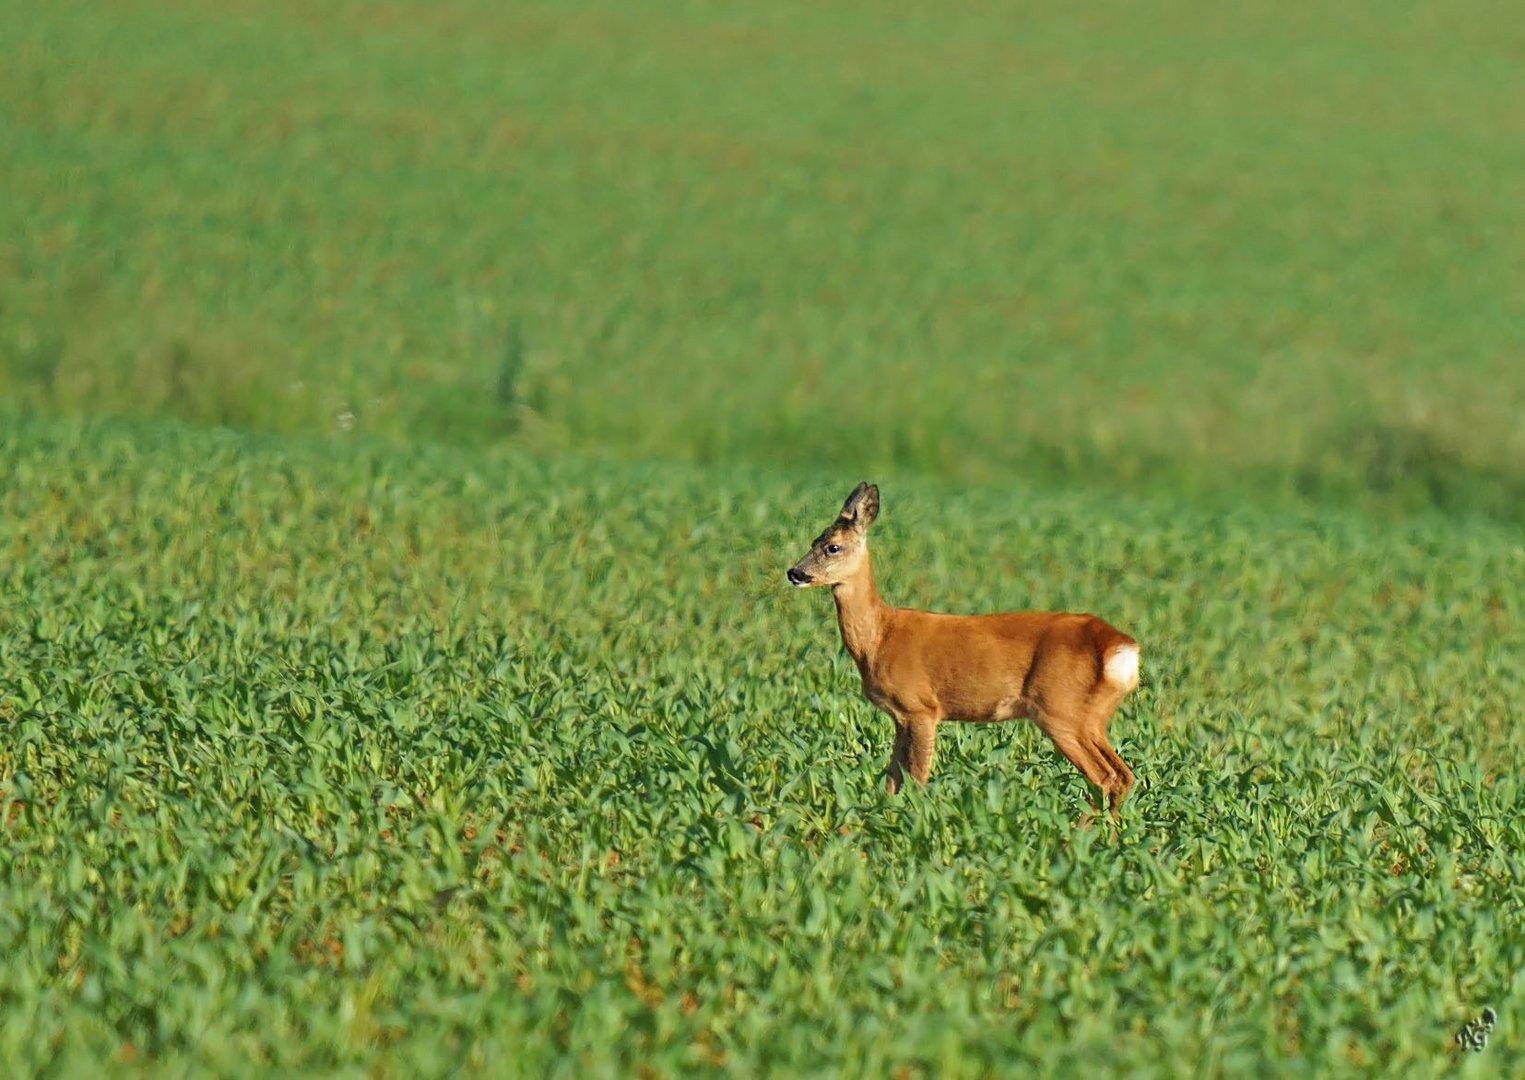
<point>900,759</point>
<point>923,745</point>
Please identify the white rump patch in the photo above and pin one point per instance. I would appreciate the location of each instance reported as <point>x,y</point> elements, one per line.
<point>1121,668</point>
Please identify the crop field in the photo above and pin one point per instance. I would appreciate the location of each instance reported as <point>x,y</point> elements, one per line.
<point>336,759</point>
<point>1170,244</point>
<point>408,411</point>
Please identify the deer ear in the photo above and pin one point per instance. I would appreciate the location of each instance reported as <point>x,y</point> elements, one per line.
<point>861,507</point>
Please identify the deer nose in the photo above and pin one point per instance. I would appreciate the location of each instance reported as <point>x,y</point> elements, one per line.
<point>797,576</point>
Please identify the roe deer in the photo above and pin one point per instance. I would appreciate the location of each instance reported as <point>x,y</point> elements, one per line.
<point>1066,672</point>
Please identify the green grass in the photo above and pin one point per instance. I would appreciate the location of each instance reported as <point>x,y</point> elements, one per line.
<point>1269,251</point>
<point>329,757</point>
<point>408,410</point>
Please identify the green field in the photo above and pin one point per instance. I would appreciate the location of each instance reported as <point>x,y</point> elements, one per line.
<point>330,757</point>
<point>408,411</point>
<point>1166,244</point>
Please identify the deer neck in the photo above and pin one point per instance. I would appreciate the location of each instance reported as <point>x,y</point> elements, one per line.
<point>861,613</point>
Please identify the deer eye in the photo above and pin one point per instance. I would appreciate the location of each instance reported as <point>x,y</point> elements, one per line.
<point>833,549</point>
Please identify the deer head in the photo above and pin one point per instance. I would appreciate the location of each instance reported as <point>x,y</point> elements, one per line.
<point>840,552</point>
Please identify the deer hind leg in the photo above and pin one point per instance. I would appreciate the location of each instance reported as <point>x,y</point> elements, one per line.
<point>1122,776</point>
<point>1074,742</point>
<point>1122,781</point>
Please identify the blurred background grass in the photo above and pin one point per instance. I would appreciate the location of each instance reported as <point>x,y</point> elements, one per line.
<point>1261,251</point>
